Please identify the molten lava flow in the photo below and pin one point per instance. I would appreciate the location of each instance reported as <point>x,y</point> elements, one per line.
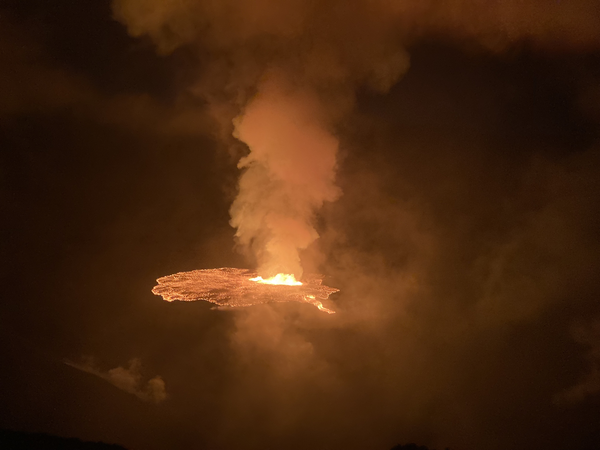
<point>311,299</point>
<point>280,278</point>
<point>231,287</point>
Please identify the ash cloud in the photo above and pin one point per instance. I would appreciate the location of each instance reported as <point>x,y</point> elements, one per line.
<point>128,379</point>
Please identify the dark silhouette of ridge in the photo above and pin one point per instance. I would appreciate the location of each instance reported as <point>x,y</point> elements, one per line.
<point>411,446</point>
<point>18,440</point>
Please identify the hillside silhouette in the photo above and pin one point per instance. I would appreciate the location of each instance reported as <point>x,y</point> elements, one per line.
<point>17,440</point>
<point>411,446</point>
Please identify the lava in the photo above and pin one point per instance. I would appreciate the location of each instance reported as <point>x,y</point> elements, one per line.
<point>231,287</point>
<point>280,278</point>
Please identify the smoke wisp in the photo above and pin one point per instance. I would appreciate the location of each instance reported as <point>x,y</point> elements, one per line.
<point>128,379</point>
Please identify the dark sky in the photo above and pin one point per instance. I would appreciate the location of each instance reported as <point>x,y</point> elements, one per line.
<point>466,245</point>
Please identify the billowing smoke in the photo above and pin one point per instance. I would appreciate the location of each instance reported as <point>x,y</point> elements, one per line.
<point>287,176</point>
<point>333,28</point>
<point>305,59</point>
<point>289,76</point>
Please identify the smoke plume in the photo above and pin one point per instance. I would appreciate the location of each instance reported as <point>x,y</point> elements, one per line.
<point>128,379</point>
<point>287,176</point>
<point>290,87</point>
<point>321,51</point>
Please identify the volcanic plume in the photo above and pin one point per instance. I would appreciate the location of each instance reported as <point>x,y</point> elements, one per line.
<point>288,174</point>
<point>285,69</point>
<point>279,78</point>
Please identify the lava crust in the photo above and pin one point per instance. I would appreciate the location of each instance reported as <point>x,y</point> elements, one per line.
<point>231,287</point>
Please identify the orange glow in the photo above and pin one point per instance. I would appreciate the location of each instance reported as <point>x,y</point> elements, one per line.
<point>280,278</point>
<point>234,288</point>
<point>312,300</point>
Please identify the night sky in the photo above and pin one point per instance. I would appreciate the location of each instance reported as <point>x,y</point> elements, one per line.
<point>465,242</point>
